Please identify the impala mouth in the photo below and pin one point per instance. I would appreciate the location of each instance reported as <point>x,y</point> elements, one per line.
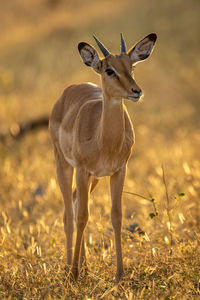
<point>134,99</point>
<point>135,96</point>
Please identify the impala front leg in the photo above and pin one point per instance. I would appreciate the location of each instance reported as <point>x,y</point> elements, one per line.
<point>83,261</point>
<point>82,187</point>
<point>116,188</point>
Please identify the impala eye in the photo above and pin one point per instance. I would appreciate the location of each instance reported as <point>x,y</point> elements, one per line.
<point>110,72</point>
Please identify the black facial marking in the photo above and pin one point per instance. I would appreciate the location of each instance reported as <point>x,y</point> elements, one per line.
<point>152,37</point>
<point>81,46</point>
<point>128,76</point>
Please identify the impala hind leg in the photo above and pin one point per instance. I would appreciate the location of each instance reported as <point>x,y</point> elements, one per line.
<point>83,260</point>
<point>82,189</point>
<point>116,188</point>
<point>65,178</point>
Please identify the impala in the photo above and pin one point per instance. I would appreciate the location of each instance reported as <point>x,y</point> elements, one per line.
<point>92,133</point>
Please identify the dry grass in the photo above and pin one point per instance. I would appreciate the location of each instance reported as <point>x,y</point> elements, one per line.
<point>38,60</point>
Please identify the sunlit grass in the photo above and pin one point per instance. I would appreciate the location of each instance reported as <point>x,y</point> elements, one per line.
<point>32,238</point>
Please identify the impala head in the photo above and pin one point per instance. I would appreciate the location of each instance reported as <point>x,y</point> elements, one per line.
<point>117,70</point>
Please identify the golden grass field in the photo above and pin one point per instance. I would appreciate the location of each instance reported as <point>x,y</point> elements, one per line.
<point>38,59</point>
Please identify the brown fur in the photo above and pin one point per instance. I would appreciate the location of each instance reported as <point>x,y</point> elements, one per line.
<point>92,132</point>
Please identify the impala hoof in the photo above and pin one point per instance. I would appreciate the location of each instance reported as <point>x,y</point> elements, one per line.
<point>75,273</point>
<point>119,276</point>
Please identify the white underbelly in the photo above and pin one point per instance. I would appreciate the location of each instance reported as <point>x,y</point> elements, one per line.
<point>102,173</point>
<point>70,161</point>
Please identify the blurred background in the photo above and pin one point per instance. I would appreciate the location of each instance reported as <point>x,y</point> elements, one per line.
<point>39,58</point>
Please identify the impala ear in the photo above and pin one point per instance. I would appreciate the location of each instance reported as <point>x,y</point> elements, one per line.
<point>142,49</point>
<point>90,56</point>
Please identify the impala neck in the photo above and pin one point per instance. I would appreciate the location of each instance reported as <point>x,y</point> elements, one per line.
<point>112,128</point>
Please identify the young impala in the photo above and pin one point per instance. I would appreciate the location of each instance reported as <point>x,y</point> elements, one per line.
<point>92,132</point>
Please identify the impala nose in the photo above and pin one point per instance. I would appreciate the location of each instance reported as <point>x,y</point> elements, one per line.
<point>137,93</point>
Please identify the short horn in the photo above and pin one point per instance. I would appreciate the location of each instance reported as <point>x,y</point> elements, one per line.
<point>101,46</point>
<point>123,44</point>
